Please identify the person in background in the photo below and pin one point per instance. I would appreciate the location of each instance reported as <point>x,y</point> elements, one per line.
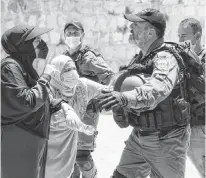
<point>91,65</point>
<point>190,30</point>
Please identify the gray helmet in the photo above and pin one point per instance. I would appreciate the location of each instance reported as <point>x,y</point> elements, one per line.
<point>124,81</point>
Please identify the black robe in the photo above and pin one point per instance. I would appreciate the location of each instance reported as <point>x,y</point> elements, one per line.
<point>25,121</point>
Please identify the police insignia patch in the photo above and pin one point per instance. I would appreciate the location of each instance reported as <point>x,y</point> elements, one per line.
<point>161,63</point>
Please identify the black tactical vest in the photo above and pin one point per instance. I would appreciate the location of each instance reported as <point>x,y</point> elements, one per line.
<point>77,58</point>
<point>171,112</point>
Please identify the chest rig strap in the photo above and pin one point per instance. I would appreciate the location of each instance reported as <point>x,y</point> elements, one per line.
<point>171,112</point>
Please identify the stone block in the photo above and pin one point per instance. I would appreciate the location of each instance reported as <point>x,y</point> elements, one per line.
<point>169,2</point>
<point>107,51</point>
<point>33,7</point>
<point>116,37</point>
<point>74,15</point>
<point>137,7</point>
<point>91,22</point>
<point>61,21</point>
<point>201,2</point>
<point>32,20</point>
<point>102,22</point>
<point>112,26</point>
<point>98,7</point>
<point>189,2</point>
<point>119,51</point>
<point>121,21</point>
<point>51,20</point>
<point>9,24</point>
<point>66,6</point>
<point>42,21</point>
<point>189,11</point>
<point>3,7</point>
<point>54,37</point>
<point>109,7</point>
<point>104,38</point>
<point>126,37</point>
<point>200,10</point>
<point>85,8</point>
<point>119,9</point>
<point>91,38</point>
<point>13,6</point>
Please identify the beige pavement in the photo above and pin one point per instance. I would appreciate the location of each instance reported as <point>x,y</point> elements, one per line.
<point>110,143</point>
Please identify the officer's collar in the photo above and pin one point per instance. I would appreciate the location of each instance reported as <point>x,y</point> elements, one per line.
<point>156,44</point>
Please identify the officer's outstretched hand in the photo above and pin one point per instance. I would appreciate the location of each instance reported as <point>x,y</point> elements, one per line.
<point>112,99</point>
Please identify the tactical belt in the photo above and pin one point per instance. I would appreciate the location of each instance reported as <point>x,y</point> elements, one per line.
<point>161,133</point>
<point>152,121</point>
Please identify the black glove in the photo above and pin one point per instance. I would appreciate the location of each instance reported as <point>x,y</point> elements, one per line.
<point>123,67</point>
<point>43,49</point>
<point>112,99</point>
<point>55,105</point>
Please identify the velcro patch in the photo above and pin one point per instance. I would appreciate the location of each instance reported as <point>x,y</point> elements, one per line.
<point>162,64</point>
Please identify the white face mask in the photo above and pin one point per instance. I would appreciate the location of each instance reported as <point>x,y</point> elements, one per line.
<point>39,65</point>
<point>73,42</point>
<point>69,82</point>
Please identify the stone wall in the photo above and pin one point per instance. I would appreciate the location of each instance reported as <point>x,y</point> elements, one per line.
<point>105,27</point>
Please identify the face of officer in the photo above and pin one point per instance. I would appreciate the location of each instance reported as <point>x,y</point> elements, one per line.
<point>73,36</point>
<point>186,33</point>
<point>142,34</point>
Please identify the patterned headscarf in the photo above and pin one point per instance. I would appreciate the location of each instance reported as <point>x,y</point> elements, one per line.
<point>62,80</point>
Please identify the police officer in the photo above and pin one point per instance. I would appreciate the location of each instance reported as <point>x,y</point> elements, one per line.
<point>90,64</point>
<point>190,30</point>
<point>160,138</point>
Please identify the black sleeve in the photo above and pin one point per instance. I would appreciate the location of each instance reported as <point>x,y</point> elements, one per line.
<point>17,99</point>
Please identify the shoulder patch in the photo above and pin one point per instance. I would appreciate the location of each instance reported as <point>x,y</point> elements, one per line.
<point>162,63</point>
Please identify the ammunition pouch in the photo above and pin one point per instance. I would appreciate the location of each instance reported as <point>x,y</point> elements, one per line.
<point>177,113</point>
<point>121,117</point>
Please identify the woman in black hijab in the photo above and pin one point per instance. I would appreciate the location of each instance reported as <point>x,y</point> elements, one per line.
<point>25,111</point>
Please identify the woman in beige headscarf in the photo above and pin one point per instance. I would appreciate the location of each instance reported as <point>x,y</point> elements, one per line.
<point>64,132</point>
